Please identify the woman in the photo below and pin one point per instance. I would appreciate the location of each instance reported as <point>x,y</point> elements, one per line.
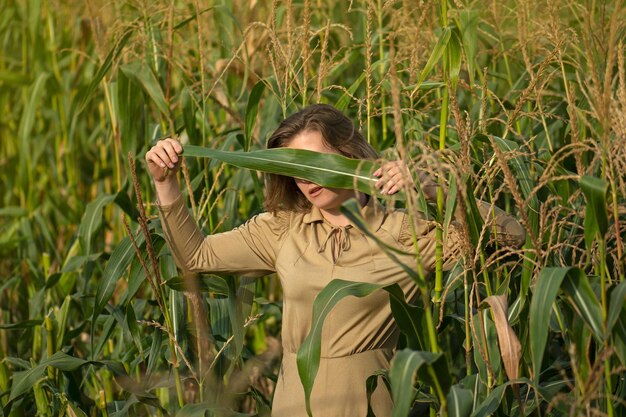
<point>308,242</point>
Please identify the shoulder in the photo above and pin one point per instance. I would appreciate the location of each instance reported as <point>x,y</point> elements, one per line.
<point>273,223</point>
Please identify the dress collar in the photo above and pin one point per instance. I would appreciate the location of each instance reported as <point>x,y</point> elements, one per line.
<point>373,213</point>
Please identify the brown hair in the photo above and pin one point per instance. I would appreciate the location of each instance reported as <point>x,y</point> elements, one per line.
<point>338,132</point>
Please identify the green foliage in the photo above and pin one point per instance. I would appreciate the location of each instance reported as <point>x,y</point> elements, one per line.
<point>520,104</point>
<point>329,170</point>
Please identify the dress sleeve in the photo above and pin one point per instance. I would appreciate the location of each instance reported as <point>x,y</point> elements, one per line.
<point>505,229</point>
<point>249,249</point>
<point>508,231</point>
<point>425,235</point>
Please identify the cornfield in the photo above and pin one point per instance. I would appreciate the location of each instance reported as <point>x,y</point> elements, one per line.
<point>521,104</point>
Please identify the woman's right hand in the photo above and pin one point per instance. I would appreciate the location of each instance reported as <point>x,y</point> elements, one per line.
<point>163,159</point>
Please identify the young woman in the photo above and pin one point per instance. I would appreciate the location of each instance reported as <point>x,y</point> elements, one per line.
<point>305,239</point>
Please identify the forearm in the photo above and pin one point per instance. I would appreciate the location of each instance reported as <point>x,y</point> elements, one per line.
<point>180,230</point>
<point>167,190</point>
<point>503,227</point>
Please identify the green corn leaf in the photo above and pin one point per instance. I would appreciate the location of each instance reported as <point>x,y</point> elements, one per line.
<point>91,221</point>
<point>327,170</point>
<point>596,218</point>
<point>435,55</point>
<point>62,319</point>
<point>128,404</point>
<point>129,112</point>
<point>200,410</point>
<point>116,265</point>
<point>85,94</point>
<point>454,51</point>
<point>133,328</point>
<point>519,168</point>
<point>491,403</point>
<point>547,288</point>
<point>617,302</point>
<point>178,312</point>
<point>549,283</point>
<point>345,98</point>
<point>105,334</point>
<point>451,200</point>
<point>205,283</point>
<point>619,336</point>
<point>137,275</point>
<point>576,285</point>
<point>371,383</point>
<point>252,109</point>
<point>74,263</point>
<point>191,18</point>
<point>409,319</point>
<point>26,157</point>
<point>28,117</point>
<point>468,24</point>
<point>460,401</point>
<point>308,358</point>
<point>236,317</point>
<point>405,366</point>
<point>142,75</point>
<point>26,324</point>
<point>17,363</point>
<point>13,211</point>
<point>221,322</point>
<point>155,349</point>
<point>189,115</point>
<point>473,217</point>
<point>14,78</point>
<point>487,344</point>
<point>27,379</point>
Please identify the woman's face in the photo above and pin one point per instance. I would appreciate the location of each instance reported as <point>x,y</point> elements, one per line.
<point>326,199</point>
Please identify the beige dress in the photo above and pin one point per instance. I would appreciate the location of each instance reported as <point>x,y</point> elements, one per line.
<point>306,252</point>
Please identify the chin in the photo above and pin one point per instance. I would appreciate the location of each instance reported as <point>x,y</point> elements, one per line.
<point>330,199</point>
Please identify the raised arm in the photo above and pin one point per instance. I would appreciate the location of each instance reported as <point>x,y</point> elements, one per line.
<point>247,250</point>
<point>163,161</point>
<point>508,231</point>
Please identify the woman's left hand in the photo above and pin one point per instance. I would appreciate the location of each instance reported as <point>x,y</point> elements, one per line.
<point>392,177</point>
<point>395,175</point>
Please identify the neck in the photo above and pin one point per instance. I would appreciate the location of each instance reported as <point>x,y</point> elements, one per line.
<point>337,218</point>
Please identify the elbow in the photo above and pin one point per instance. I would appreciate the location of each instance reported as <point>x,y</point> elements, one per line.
<point>520,239</point>
<point>516,235</point>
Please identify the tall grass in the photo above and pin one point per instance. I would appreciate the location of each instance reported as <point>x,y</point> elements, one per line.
<point>517,103</point>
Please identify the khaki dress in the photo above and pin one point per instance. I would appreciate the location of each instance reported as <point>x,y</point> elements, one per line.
<point>306,252</point>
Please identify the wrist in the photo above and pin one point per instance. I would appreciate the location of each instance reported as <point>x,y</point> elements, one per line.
<point>167,190</point>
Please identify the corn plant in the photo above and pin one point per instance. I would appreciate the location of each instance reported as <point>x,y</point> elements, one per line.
<point>519,104</point>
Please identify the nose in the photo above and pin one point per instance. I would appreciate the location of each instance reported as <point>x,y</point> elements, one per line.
<point>302,181</point>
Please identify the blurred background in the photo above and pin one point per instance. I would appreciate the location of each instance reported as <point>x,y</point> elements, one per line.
<point>520,103</point>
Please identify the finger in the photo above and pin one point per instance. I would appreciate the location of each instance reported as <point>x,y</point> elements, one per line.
<point>394,189</point>
<point>168,146</point>
<point>384,177</point>
<point>154,158</point>
<point>378,172</point>
<point>165,157</point>
<point>178,148</point>
<point>399,179</point>
<point>388,186</point>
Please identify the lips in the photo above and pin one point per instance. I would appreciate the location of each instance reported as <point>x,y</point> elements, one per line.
<point>315,191</point>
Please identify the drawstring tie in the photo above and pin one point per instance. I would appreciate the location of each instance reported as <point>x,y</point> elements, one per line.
<point>339,241</point>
